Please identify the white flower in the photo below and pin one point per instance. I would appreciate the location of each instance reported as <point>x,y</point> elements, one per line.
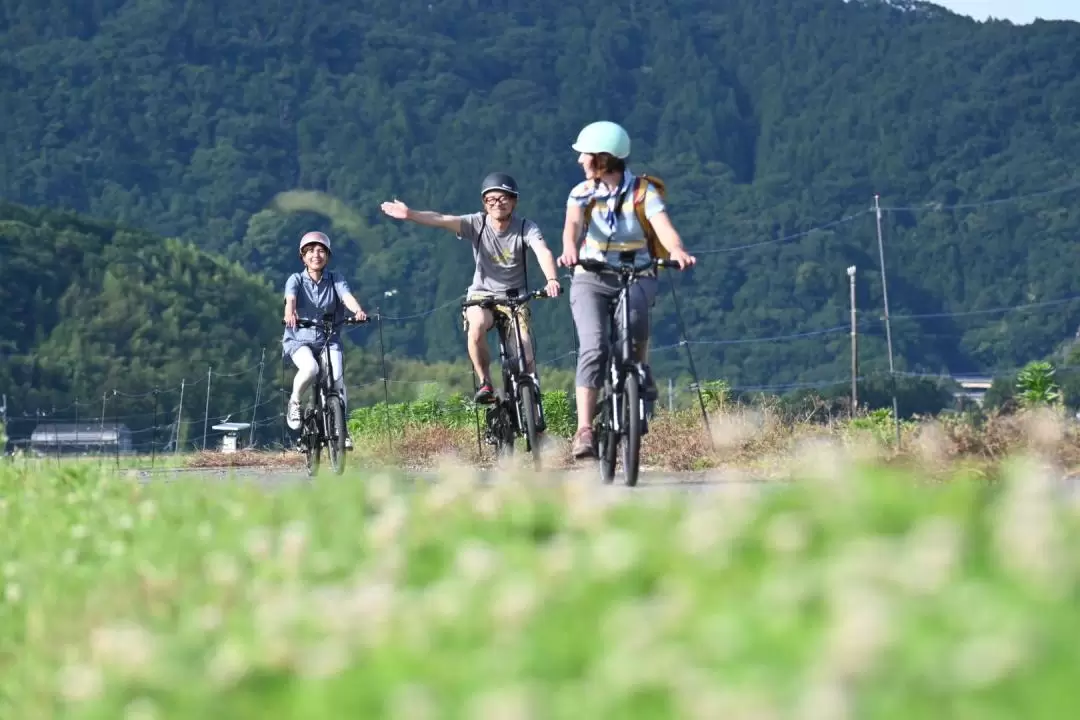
<point>258,543</point>
<point>614,552</point>
<point>12,593</point>
<point>293,543</point>
<point>126,646</point>
<point>81,683</point>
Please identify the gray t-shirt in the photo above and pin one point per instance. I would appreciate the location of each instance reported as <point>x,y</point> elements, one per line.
<point>500,256</point>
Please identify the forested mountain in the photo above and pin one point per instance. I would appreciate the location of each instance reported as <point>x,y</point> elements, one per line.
<point>99,318</point>
<point>765,118</point>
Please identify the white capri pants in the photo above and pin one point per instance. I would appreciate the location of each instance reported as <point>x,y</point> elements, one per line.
<point>307,368</point>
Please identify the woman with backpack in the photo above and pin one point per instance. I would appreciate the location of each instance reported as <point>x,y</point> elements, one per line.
<point>620,216</point>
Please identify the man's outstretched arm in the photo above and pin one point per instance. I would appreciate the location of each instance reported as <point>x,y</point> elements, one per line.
<point>400,211</point>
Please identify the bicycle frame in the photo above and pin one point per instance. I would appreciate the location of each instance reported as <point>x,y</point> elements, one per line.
<point>324,380</point>
<point>621,359</point>
<point>618,393</point>
<point>515,374</point>
<point>314,434</point>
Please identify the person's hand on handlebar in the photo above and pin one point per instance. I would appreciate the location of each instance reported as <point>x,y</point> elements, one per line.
<point>684,258</point>
<point>290,317</point>
<point>569,256</point>
<point>553,288</point>
<point>360,315</point>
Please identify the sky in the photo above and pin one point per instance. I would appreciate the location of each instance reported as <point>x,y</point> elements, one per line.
<point>1018,11</point>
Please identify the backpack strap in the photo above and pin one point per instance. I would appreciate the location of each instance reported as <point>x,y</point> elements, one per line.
<point>641,187</point>
<point>587,219</point>
<point>524,257</point>
<point>333,289</point>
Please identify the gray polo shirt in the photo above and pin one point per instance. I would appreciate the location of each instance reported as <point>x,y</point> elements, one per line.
<point>313,299</point>
<point>499,256</point>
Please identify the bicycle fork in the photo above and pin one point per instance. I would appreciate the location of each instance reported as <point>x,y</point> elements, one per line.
<point>534,381</point>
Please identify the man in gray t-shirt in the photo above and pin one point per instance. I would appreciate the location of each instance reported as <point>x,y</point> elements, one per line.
<point>498,238</point>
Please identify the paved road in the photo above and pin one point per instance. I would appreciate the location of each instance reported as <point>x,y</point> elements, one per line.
<point>649,480</point>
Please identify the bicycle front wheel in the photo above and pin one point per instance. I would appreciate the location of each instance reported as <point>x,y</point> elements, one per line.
<point>632,414</point>
<point>607,439</point>
<point>309,439</point>
<point>527,400</point>
<point>335,433</point>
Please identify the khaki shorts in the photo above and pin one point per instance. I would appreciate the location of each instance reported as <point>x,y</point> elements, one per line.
<point>502,321</point>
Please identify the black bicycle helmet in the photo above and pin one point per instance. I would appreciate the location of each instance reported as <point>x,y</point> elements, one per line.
<point>499,181</point>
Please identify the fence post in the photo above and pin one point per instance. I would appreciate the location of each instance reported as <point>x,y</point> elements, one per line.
<point>116,425</point>
<point>854,347</point>
<point>258,390</point>
<point>179,418</point>
<point>385,382</point>
<point>101,434</point>
<point>153,433</point>
<point>206,413</point>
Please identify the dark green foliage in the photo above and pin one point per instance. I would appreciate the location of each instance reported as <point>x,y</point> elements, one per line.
<point>766,118</point>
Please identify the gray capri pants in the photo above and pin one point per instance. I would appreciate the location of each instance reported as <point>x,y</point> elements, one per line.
<point>591,296</point>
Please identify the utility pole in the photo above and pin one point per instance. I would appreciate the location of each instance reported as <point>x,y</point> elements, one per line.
<point>888,328</point>
<point>854,346</point>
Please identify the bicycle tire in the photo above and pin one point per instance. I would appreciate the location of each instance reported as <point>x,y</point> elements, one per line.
<point>527,403</point>
<point>506,430</point>
<point>335,433</point>
<point>632,412</point>
<point>607,440</point>
<point>310,438</point>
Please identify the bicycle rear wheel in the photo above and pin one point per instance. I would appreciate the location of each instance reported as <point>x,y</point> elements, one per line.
<point>335,433</point>
<point>527,403</point>
<point>631,413</point>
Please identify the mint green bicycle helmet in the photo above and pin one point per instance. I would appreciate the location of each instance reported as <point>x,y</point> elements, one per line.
<point>603,137</point>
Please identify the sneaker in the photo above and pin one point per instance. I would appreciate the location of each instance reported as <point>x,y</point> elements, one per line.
<point>583,444</point>
<point>293,416</point>
<point>348,441</point>
<point>485,395</point>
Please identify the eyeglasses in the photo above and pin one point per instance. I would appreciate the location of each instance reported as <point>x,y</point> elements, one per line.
<point>500,199</point>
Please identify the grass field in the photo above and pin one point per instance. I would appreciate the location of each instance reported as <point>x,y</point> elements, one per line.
<point>858,590</point>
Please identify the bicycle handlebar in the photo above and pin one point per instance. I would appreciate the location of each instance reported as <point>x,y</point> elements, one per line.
<point>515,301</point>
<point>309,323</point>
<point>625,268</point>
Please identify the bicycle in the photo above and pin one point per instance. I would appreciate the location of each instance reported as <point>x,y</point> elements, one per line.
<point>517,411</point>
<point>620,410</point>
<point>323,424</point>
